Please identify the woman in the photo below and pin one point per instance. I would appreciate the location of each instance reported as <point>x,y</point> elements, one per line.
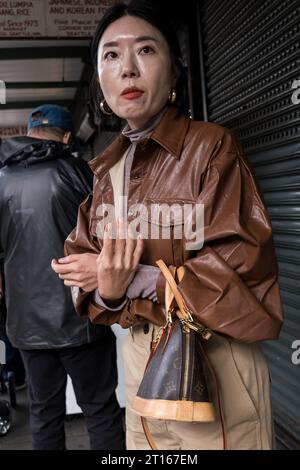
<point>230,284</point>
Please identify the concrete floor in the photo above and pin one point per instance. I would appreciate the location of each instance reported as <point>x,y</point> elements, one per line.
<point>19,437</point>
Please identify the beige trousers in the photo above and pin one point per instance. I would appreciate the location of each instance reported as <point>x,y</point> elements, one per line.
<point>244,388</point>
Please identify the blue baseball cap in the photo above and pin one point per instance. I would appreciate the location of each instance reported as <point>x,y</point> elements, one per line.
<point>50,115</point>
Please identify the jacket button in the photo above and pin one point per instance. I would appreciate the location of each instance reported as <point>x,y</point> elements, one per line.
<point>146,328</point>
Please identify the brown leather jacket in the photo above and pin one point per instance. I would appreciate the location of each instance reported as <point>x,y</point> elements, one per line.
<point>231,283</point>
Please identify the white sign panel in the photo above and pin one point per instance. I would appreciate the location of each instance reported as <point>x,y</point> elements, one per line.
<point>75,18</point>
<point>51,18</point>
<point>22,18</point>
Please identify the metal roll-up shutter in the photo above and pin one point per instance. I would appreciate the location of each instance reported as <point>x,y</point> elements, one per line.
<point>251,58</point>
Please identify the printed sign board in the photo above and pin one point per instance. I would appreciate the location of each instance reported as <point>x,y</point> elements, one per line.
<point>51,18</point>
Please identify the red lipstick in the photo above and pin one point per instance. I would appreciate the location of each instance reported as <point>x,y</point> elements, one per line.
<point>131,93</point>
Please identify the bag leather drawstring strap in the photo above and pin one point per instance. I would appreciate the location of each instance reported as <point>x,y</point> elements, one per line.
<point>171,287</point>
<point>184,313</point>
<point>148,434</point>
<point>169,301</point>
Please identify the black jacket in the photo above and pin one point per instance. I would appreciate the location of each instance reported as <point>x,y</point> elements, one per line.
<point>41,187</point>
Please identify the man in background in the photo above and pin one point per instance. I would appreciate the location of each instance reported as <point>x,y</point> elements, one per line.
<point>41,188</point>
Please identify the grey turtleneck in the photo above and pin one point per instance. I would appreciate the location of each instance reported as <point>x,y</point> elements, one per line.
<point>143,284</point>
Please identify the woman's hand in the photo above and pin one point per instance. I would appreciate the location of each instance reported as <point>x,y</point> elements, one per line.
<point>118,261</point>
<point>78,270</point>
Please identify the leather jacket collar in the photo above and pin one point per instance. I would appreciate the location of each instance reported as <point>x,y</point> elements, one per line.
<point>170,134</point>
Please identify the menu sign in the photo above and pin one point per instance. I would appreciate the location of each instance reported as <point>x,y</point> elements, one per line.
<point>22,18</point>
<point>75,18</point>
<point>51,18</point>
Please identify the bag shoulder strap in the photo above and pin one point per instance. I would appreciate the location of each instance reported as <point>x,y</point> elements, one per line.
<point>182,313</point>
<point>169,296</point>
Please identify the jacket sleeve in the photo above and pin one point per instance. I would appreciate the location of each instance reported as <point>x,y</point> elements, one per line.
<point>80,241</point>
<point>231,284</point>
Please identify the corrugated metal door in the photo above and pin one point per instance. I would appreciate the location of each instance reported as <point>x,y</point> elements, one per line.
<point>251,62</point>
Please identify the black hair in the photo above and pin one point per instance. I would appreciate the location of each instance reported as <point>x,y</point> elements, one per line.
<point>157,18</point>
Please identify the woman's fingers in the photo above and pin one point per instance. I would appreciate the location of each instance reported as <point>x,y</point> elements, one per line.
<point>121,240</point>
<point>123,252</point>
<point>107,251</point>
<point>117,262</point>
<point>72,276</point>
<point>138,251</point>
<point>72,283</point>
<point>62,269</point>
<point>129,249</point>
<point>68,259</point>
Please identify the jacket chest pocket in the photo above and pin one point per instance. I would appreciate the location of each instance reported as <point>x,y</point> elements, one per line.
<point>162,226</point>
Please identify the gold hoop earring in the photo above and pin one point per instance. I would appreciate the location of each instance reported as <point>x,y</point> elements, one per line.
<point>105,109</point>
<point>172,96</point>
